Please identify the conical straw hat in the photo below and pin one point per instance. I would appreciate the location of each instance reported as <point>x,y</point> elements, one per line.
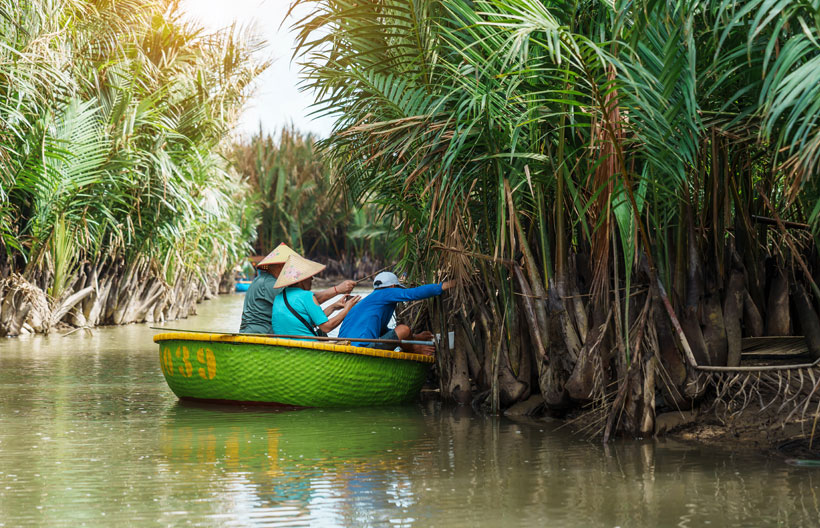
<point>277,256</point>
<point>296,270</point>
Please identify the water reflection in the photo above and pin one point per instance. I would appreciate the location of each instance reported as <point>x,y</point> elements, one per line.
<point>337,466</point>
<point>91,435</point>
<point>292,462</point>
<point>422,466</point>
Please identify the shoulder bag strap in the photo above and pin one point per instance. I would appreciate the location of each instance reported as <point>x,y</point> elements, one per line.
<point>294,312</point>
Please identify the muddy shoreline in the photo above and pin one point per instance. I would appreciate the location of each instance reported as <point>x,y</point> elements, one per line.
<point>756,430</point>
<point>750,431</point>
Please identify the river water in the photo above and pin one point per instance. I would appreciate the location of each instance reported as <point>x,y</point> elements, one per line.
<point>90,435</point>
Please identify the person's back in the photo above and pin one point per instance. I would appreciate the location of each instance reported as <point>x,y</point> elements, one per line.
<point>297,311</point>
<point>286,322</point>
<point>256,309</point>
<point>258,303</point>
<point>370,317</point>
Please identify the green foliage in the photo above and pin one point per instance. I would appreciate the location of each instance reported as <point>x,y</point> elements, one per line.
<point>301,203</point>
<point>605,120</point>
<point>63,257</point>
<point>112,119</point>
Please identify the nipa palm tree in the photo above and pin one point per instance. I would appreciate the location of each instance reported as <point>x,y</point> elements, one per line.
<point>613,183</point>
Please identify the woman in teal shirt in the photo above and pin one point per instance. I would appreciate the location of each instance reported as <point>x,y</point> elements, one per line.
<point>296,311</point>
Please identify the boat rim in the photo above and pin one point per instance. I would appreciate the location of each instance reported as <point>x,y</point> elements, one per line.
<point>292,343</point>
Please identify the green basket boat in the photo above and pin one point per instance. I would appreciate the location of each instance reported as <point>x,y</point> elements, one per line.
<point>251,369</point>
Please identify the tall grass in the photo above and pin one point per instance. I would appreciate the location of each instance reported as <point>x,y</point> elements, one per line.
<point>303,202</point>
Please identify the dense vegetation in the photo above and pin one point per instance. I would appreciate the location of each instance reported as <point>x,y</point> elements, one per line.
<point>612,180</point>
<point>302,203</point>
<point>115,204</point>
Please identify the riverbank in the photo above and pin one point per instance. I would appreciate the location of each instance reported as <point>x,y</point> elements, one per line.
<point>117,293</point>
<point>117,203</point>
<point>756,429</point>
<point>114,293</point>
<point>753,431</point>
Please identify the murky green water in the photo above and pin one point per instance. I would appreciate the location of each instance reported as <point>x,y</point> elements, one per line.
<point>90,435</point>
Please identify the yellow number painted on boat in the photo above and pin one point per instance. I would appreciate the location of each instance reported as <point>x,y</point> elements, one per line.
<point>166,362</point>
<point>186,369</point>
<point>206,357</point>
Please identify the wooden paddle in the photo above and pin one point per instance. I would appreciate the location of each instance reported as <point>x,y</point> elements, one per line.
<point>313,338</point>
<point>372,275</point>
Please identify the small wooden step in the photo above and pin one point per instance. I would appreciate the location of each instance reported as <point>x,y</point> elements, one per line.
<point>777,346</point>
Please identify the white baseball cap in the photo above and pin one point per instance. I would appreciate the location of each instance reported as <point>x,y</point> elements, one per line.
<point>385,279</point>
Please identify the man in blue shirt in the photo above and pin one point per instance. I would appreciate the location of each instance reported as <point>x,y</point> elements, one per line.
<point>369,318</point>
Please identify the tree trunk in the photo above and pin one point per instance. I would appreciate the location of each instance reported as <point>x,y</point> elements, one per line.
<point>671,359</point>
<point>732,313</point>
<point>752,320</point>
<point>457,388</point>
<point>536,337</point>
<point>808,320</point>
<point>691,328</point>
<point>510,389</point>
<point>588,377</point>
<point>714,331</point>
<point>777,313</point>
<point>63,307</point>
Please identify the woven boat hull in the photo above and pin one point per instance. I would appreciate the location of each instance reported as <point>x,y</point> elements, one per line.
<point>287,372</point>
<point>242,286</point>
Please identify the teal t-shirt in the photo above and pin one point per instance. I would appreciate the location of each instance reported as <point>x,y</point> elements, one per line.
<point>285,323</point>
<point>256,311</point>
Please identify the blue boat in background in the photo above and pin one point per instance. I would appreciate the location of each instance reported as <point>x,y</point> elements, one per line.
<point>245,273</point>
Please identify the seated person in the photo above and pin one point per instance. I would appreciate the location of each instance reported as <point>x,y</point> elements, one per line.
<point>258,304</point>
<point>370,317</point>
<point>296,311</point>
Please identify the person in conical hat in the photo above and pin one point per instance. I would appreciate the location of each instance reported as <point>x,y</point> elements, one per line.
<point>298,269</point>
<point>276,259</point>
<point>258,304</point>
<point>296,311</point>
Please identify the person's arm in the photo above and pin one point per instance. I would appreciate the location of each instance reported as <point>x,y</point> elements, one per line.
<point>343,287</point>
<point>413,294</point>
<point>337,319</point>
<point>338,305</point>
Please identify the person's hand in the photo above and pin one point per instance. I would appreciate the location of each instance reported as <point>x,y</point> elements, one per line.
<point>449,284</point>
<point>345,286</point>
<point>351,300</point>
<point>427,350</point>
<point>338,305</point>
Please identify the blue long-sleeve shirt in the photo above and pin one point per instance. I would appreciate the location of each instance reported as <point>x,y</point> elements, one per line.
<point>369,318</point>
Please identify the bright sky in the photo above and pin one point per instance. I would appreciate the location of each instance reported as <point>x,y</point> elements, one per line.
<point>277,100</point>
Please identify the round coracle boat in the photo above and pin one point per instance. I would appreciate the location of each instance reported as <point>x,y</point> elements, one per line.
<point>292,372</point>
<point>243,285</point>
